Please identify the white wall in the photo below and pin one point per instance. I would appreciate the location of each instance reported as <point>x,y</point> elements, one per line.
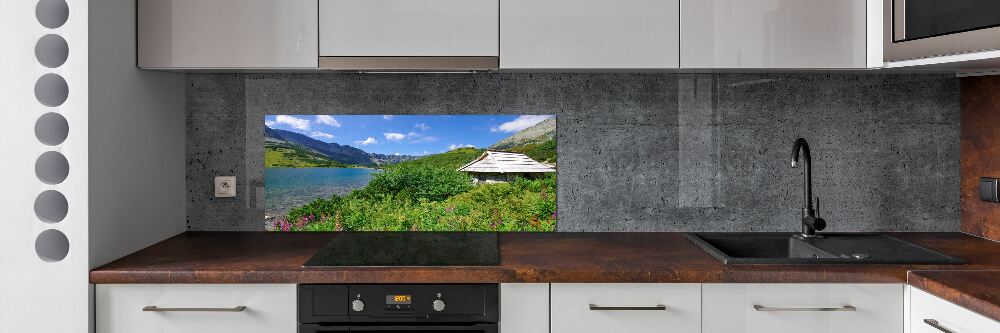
<point>137,187</point>
<point>38,295</point>
<point>138,131</point>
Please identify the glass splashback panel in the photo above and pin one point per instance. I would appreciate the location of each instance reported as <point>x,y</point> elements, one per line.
<point>331,172</point>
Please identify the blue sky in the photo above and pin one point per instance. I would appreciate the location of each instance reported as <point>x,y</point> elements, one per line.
<point>406,135</point>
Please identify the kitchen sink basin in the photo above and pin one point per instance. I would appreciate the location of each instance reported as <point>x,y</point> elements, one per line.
<point>835,248</point>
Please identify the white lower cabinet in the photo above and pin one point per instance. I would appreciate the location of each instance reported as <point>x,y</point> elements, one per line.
<point>803,308</point>
<point>930,314</point>
<point>627,307</point>
<point>187,308</point>
<point>524,307</point>
<point>569,308</point>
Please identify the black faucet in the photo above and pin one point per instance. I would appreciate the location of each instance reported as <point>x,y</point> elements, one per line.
<point>810,221</point>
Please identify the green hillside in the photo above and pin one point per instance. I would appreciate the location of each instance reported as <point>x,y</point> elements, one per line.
<point>452,159</point>
<point>544,152</point>
<point>288,156</point>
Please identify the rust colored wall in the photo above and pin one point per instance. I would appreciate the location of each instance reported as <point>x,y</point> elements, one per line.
<point>980,153</point>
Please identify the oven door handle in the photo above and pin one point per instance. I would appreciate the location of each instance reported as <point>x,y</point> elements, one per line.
<point>313,328</point>
<point>485,328</point>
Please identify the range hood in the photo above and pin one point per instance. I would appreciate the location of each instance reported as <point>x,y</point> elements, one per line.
<point>410,64</point>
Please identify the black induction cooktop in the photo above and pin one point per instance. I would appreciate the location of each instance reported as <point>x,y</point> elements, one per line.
<point>409,249</point>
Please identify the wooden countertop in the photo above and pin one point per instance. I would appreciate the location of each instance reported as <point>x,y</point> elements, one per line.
<point>261,257</point>
<point>978,291</point>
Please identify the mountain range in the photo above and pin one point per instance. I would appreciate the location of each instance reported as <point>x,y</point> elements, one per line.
<point>537,134</point>
<point>290,149</point>
<point>274,138</point>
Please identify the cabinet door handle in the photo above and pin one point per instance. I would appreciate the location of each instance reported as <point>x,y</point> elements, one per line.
<point>159,309</point>
<point>935,324</point>
<point>595,307</point>
<point>776,309</point>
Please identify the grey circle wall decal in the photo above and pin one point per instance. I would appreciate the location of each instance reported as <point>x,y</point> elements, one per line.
<point>52,13</point>
<point>51,90</point>
<point>52,245</point>
<point>51,51</point>
<point>51,206</point>
<point>51,128</point>
<point>52,168</point>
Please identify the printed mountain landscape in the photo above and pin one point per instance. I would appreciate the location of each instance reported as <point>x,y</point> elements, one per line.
<point>501,179</point>
<point>293,150</point>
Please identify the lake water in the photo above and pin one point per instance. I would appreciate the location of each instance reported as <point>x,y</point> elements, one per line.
<point>285,188</point>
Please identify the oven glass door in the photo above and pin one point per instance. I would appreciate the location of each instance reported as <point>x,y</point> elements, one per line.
<point>916,19</point>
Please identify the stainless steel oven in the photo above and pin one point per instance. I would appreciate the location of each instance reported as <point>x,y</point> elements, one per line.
<point>380,308</point>
<point>916,29</point>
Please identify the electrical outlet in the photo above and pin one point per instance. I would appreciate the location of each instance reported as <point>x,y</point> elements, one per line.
<point>225,186</point>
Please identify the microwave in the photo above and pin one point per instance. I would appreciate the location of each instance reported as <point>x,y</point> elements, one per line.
<point>915,29</point>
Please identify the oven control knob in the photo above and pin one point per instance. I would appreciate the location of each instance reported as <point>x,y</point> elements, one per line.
<point>358,305</point>
<point>438,305</point>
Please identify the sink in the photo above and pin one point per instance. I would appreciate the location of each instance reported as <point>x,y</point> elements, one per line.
<point>831,248</point>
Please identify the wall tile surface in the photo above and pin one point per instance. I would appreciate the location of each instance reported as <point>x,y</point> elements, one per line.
<point>637,152</point>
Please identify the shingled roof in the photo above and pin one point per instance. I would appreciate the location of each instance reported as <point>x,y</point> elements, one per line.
<point>504,162</point>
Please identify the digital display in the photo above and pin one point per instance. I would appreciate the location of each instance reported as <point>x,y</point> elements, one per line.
<point>398,299</point>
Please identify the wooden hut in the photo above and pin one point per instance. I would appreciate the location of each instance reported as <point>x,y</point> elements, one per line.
<point>498,166</point>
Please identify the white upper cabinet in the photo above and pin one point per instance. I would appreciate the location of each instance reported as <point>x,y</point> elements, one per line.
<point>409,28</point>
<point>511,34</point>
<point>589,34</point>
<point>779,34</point>
<point>227,34</point>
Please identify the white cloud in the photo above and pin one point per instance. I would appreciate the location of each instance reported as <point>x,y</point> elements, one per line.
<point>519,123</point>
<point>394,136</point>
<point>293,122</point>
<point>321,135</point>
<point>417,138</point>
<point>327,120</point>
<point>269,123</point>
<point>411,137</point>
<point>397,154</point>
<point>388,117</point>
<point>454,146</point>
<point>368,141</point>
<point>422,126</point>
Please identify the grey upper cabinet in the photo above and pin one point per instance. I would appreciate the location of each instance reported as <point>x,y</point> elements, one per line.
<point>754,34</point>
<point>409,34</point>
<point>589,34</point>
<point>219,34</point>
<point>509,34</point>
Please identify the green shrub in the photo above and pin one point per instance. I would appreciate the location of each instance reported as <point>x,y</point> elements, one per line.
<point>417,182</point>
<point>434,203</point>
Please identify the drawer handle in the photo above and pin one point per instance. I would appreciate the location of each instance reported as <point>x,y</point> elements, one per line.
<point>934,323</point>
<point>769,308</point>
<point>159,309</point>
<point>595,307</point>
